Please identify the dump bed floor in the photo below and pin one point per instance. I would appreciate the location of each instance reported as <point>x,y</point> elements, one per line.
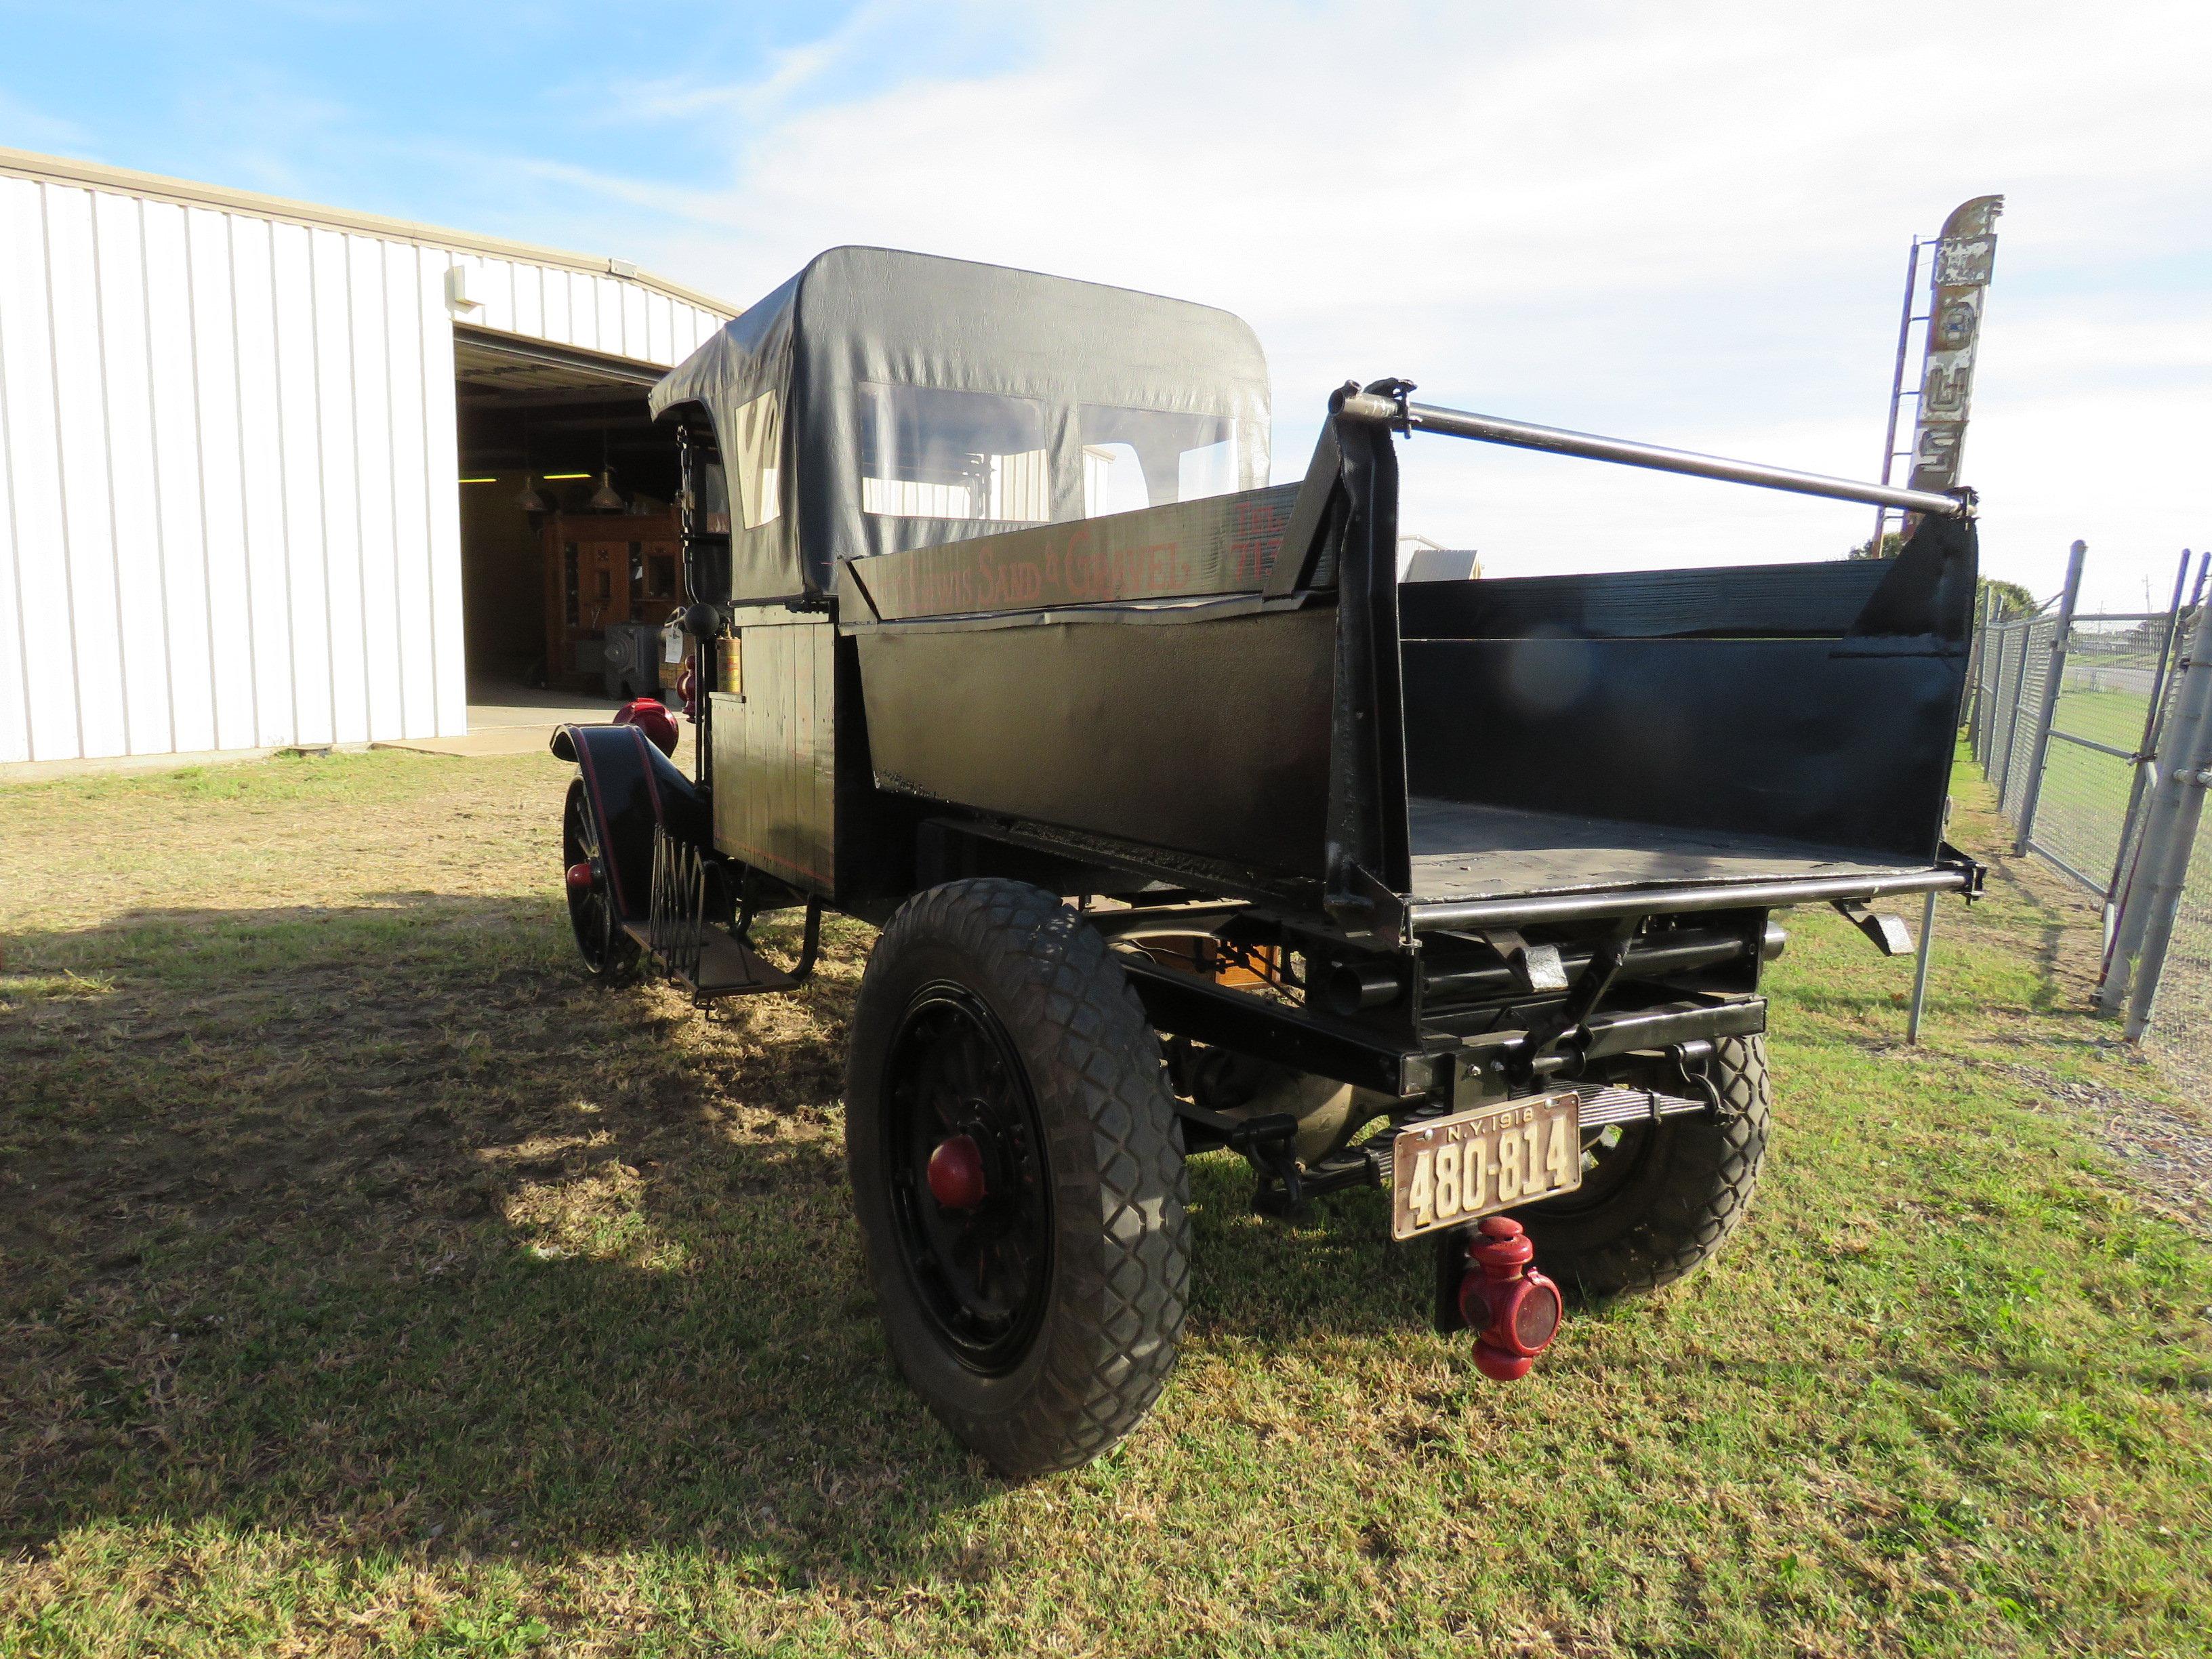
<point>1462,852</point>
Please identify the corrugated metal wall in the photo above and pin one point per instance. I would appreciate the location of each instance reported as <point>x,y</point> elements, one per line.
<point>229,511</point>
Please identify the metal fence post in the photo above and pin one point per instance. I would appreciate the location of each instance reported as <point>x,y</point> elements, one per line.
<point>1985,720</point>
<point>1985,628</point>
<point>1998,693</point>
<point>2039,747</point>
<point>2147,746</point>
<point>2146,923</point>
<point>1978,671</point>
<point>2130,902</point>
<point>1974,664</point>
<point>2011,717</point>
<point>2009,690</point>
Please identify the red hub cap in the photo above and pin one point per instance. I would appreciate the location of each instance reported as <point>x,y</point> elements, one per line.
<point>956,1173</point>
<point>579,877</point>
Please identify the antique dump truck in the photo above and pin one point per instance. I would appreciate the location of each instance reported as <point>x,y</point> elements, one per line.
<point>1188,826</point>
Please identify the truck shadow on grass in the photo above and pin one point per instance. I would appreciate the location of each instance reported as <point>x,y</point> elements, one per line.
<point>379,1224</point>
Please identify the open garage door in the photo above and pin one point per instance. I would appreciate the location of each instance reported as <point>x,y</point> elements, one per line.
<point>570,557</point>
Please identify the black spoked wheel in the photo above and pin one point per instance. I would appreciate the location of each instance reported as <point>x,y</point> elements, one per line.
<point>971,1204</point>
<point>1659,1198</point>
<point>1018,1171</point>
<point>609,953</point>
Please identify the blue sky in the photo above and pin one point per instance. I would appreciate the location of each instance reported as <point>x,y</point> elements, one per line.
<point>473,115</point>
<point>1685,223</point>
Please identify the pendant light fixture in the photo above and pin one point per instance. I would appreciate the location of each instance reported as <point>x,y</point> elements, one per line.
<point>532,500</point>
<point>606,498</point>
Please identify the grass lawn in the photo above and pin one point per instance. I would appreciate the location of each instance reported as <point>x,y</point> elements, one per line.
<point>369,1283</point>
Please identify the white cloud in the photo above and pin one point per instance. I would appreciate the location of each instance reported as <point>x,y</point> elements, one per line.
<point>792,73</point>
<point>1683,223</point>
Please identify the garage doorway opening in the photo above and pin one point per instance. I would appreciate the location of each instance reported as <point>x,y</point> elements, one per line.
<point>571,559</point>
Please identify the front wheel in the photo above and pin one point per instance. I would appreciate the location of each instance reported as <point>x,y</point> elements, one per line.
<point>609,954</point>
<point>1017,1170</point>
<point>1658,1199</point>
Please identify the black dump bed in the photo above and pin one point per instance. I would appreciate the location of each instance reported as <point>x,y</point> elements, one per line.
<point>1223,695</point>
<point>1226,686</point>
<point>1576,734</point>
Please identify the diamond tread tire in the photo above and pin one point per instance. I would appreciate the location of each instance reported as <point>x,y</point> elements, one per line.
<point>1686,1189</point>
<point>1119,1275</point>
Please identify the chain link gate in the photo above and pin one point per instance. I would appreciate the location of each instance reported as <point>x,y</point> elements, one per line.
<point>2095,732</point>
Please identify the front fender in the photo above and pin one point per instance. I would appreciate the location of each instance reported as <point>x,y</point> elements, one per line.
<point>632,789</point>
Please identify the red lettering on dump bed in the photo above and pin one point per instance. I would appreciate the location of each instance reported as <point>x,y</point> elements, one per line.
<point>1257,541</point>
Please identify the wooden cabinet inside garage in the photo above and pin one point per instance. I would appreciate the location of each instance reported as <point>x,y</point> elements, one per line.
<point>604,568</point>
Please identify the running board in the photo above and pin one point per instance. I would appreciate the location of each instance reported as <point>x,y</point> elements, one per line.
<point>718,965</point>
<point>705,959</point>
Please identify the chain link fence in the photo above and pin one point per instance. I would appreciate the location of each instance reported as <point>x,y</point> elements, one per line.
<point>2182,1022</point>
<point>2096,732</point>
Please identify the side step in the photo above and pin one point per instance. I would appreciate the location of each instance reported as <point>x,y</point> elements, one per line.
<point>727,967</point>
<point>700,955</point>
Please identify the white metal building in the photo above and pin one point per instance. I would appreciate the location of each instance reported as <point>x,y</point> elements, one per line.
<point>230,461</point>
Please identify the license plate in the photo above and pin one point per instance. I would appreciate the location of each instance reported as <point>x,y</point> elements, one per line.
<point>1494,1158</point>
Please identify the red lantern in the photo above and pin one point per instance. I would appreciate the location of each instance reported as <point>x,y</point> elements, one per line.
<point>1514,1311</point>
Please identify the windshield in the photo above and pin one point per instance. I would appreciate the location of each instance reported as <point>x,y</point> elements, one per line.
<point>974,456</point>
<point>1138,457</point>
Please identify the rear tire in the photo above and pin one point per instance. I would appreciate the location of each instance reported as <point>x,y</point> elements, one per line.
<point>1666,1196</point>
<point>1040,1322</point>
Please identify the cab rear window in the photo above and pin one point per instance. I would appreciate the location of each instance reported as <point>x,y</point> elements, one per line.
<point>975,457</point>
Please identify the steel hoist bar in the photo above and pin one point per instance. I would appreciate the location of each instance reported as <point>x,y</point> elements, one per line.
<point>1627,452</point>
